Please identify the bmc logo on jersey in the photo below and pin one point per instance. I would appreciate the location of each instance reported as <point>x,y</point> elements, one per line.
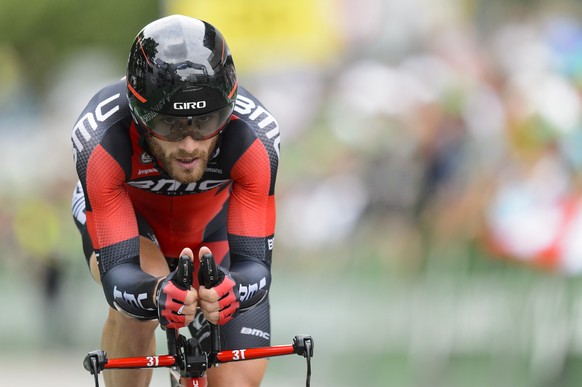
<point>134,300</point>
<point>263,119</point>
<point>255,332</point>
<point>87,124</point>
<point>248,291</point>
<point>173,187</point>
<point>189,105</point>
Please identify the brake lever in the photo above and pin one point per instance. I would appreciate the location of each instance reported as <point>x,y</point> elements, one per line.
<point>183,277</point>
<point>183,280</point>
<point>211,278</point>
<point>95,362</point>
<point>303,345</point>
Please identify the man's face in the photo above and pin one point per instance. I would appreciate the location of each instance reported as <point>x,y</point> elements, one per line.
<point>186,160</point>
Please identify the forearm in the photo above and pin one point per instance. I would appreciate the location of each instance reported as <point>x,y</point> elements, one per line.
<point>131,291</point>
<point>253,280</point>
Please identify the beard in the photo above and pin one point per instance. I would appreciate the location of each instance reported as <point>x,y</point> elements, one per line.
<point>169,161</point>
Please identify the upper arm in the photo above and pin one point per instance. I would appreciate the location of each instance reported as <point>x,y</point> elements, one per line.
<point>252,208</point>
<point>111,220</point>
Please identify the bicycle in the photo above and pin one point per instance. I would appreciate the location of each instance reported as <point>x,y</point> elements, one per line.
<point>186,360</point>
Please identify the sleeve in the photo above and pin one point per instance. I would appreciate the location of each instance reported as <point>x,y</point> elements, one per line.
<point>113,229</point>
<point>251,223</point>
<point>101,147</point>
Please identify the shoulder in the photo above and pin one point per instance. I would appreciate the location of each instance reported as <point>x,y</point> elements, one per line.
<point>253,121</point>
<point>251,142</point>
<point>104,121</point>
<point>106,105</point>
<point>250,110</point>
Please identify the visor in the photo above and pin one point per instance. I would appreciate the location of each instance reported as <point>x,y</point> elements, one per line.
<point>176,128</point>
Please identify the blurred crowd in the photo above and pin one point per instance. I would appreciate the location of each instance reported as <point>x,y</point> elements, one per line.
<point>458,139</point>
<point>428,135</point>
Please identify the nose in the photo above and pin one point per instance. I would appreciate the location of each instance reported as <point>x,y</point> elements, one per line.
<point>189,144</point>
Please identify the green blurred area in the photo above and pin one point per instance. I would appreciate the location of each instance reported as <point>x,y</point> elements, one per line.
<point>46,34</point>
<point>406,293</point>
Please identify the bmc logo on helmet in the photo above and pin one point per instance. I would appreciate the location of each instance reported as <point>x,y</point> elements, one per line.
<point>189,105</point>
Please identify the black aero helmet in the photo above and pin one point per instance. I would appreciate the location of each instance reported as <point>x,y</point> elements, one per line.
<point>181,79</point>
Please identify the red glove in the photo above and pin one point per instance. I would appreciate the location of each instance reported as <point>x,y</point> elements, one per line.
<point>228,297</point>
<point>228,300</point>
<point>170,299</point>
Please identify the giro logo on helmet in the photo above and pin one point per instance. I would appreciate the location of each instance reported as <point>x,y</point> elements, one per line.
<point>189,105</point>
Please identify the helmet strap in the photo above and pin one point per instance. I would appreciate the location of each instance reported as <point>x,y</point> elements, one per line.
<point>217,146</point>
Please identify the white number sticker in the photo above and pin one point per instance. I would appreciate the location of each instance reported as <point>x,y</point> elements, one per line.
<point>238,354</point>
<point>153,361</point>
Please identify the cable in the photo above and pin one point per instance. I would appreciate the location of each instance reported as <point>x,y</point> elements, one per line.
<point>308,355</point>
<point>308,379</point>
<point>94,370</point>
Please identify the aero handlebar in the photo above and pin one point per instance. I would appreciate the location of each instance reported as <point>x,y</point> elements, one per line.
<point>97,361</point>
<point>184,354</point>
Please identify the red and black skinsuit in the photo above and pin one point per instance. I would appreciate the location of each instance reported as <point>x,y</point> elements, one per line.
<point>123,194</point>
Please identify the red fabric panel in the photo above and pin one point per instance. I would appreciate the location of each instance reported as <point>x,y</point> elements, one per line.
<point>252,210</point>
<point>112,218</point>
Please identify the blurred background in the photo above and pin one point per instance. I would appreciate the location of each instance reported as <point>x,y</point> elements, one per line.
<point>429,193</point>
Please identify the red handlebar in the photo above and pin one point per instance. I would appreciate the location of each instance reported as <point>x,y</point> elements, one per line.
<point>254,353</point>
<point>97,361</point>
<point>141,362</point>
<point>157,361</point>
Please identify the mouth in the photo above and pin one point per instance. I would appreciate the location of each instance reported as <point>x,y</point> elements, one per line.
<point>188,163</point>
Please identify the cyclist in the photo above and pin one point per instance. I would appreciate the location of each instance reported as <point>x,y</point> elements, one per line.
<point>177,158</point>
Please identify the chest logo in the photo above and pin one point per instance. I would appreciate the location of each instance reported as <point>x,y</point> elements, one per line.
<point>146,158</point>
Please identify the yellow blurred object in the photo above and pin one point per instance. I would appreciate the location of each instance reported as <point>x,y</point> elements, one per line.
<point>37,228</point>
<point>10,72</point>
<point>264,33</point>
